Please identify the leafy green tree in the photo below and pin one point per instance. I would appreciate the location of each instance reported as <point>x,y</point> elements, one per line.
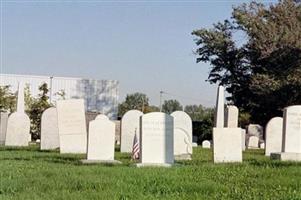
<point>138,101</point>
<point>262,74</point>
<point>171,105</point>
<point>8,100</point>
<point>149,109</point>
<point>203,119</point>
<point>36,106</point>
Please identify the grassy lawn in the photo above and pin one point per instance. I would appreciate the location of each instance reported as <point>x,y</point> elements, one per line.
<point>28,173</point>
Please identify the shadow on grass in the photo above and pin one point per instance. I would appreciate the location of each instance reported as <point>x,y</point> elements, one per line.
<point>273,163</point>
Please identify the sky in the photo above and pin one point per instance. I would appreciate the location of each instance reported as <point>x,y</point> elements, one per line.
<point>146,45</point>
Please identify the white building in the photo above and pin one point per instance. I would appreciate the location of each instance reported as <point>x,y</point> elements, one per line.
<point>99,95</point>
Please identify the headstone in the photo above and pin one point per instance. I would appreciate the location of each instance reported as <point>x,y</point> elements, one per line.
<point>231,119</point>
<point>20,98</point>
<point>194,144</point>
<point>219,111</point>
<point>262,145</point>
<point>101,141</point>
<point>182,135</point>
<point>101,116</point>
<point>243,139</point>
<point>255,130</point>
<point>3,126</point>
<point>72,126</point>
<point>291,142</point>
<point>227,145</point>
<point>130,124</point>
<point>156,140</point>
<point>273,136</point>
<point>206,144</point>
<point>253,142</point>
<point>49,130</point>
<point>17,132</point>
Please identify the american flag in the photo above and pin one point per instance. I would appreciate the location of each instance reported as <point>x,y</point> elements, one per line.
<point>136,148</point>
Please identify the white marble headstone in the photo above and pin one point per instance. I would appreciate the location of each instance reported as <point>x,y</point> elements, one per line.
<point>243,139</point>
<point>273,136</point>
<point>130,124</point>
<point>101,116</point>
<point>292,129</point>
<point>253,142</point>
<point>101,140</point>
<point>206,144</point>
<point>156,139</point>
<point>49,130</point>
<point>219,110</point>
<point>72,126</point>
<point>227,145</point>
<point>18,130</point>
<point>20,98</point>
<point>3,126</point>
<point>231,120</point>
<point>182,133</point>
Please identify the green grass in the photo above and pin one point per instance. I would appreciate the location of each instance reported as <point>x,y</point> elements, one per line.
<point>28,173</point>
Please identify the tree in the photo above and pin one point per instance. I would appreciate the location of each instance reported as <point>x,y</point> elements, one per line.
<point>263,73</point>
<point>36,107</point>
<point>171,105</point>
<point>8,100</point>
<point>138,101</point>
<point>202,118</point>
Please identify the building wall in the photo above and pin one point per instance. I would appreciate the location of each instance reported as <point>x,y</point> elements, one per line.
<point>99,95</point>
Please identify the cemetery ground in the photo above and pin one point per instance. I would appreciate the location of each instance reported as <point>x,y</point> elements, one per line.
<point>28,173</point>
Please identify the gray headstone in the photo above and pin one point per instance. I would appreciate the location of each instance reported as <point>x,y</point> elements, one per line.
<point>3,126</point>
<point>18,127</point>
<point>49,130</point>
<point>255,130</point>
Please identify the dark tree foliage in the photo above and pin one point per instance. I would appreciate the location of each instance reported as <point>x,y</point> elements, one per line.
<point>263,75</point>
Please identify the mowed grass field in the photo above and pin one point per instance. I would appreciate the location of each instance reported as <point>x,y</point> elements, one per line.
<point>28,173</point>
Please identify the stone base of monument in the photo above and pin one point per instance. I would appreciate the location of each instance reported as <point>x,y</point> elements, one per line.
<point>227,145</point>
<point>183,157</point>
<point>153,165</point>
<point>286,156</point>
<point>112,162</point>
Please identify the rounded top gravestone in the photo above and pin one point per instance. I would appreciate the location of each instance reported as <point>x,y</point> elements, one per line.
<point>18,127</point>
<point>101,116</point>
<point>206,144</point>
<point>182,133</point>
<point>273,136</point>
<point>49,130</point>
<point>130,125</point>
